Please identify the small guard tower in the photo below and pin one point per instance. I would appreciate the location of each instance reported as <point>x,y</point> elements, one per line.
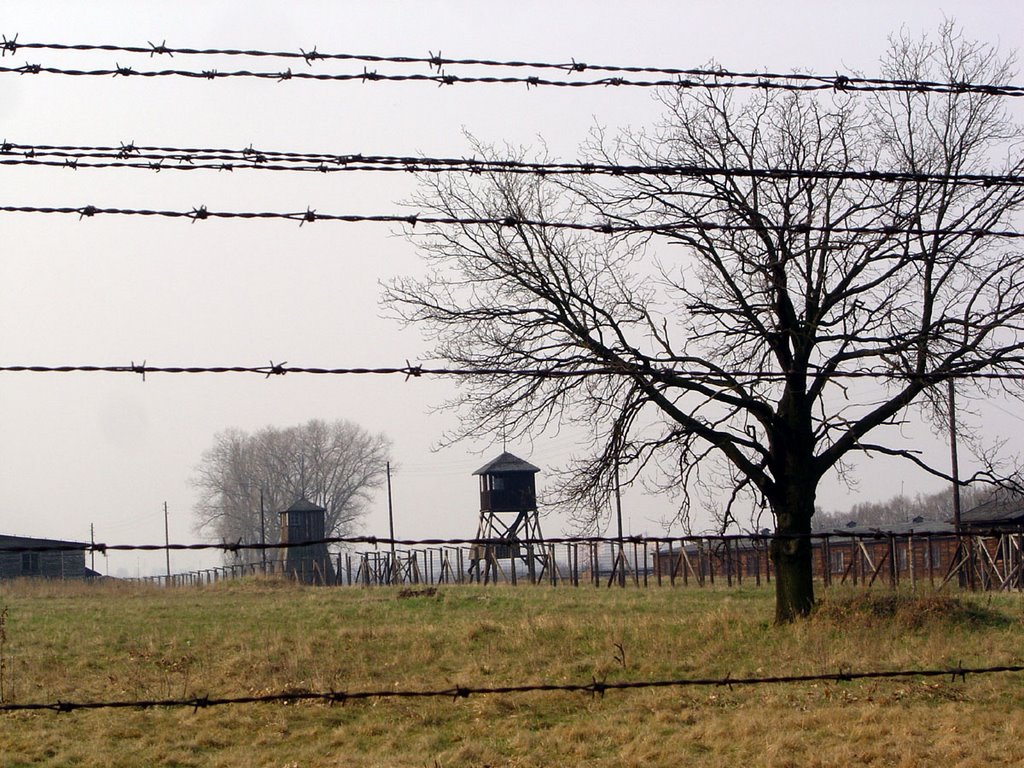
<point>508,516</point>
<point>304,521</point>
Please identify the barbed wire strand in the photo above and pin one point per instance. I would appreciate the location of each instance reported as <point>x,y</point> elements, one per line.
<point>201,213</point>
<point>438,62</point>
<point>416,371</point>
<point>174,158</point>
<point>870,534</point>
<point>595,688</point>
<point>840,83</point>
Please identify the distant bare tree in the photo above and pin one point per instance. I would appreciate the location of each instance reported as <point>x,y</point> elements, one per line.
<point>806,278</point>
<point>336,465</point>
<point>901,509</point>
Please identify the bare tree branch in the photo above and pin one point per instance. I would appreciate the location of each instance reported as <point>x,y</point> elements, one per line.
<point>800,293</point>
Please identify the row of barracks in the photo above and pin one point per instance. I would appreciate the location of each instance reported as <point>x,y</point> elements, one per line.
<point>990,552</point>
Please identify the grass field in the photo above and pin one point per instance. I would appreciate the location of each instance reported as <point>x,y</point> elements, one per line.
<point>103,642</point>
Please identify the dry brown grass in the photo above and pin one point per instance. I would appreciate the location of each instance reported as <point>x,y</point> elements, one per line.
<point>81,642</point>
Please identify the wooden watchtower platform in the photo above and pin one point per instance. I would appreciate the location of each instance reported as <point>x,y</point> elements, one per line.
<point>509,527</point>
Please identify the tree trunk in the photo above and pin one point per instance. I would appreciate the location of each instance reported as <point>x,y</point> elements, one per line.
<point>793,557</point>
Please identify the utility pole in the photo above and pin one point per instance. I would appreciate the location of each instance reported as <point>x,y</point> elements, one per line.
<point>621,559</point>
<point>263,534</point>
<point>391,527</point>
<point>167,542</point>
<point>964,578</point>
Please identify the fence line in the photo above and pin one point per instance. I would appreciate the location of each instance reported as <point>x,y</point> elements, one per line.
<point>996,561</point>
<point>594,688</point>
<point>984,558</point>
<point>765,536</point>
<point>988,560</point>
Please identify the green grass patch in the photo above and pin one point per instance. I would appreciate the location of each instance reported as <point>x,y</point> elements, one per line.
<point>115,641</point>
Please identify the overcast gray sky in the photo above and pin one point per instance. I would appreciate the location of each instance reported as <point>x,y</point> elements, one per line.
<point>111,449</point>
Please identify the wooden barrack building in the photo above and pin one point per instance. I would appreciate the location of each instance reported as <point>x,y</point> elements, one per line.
<point>68,562</point>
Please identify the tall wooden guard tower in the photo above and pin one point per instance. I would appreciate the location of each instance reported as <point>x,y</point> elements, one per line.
<point>509,524</point>
<point>304,521</point>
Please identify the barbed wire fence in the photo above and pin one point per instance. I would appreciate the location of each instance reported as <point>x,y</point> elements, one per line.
<point>703,77</point>
<point>594,688</point>
<point>923,552</point>
<point>727,550</point>
<point>688,557</point>
<point>415,371</point>
<point>437,61</point>
<point>155,158</point>
<point>610,227</point>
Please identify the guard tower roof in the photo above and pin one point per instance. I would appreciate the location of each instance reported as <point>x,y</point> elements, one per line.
<point>304,505</point>
<point>506,462</point>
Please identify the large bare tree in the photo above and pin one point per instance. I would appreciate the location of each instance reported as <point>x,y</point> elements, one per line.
<point>336,465</point>
<point>791,333</point>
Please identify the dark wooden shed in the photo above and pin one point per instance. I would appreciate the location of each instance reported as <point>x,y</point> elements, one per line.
<point>68,562</point>
<point>303,522</point>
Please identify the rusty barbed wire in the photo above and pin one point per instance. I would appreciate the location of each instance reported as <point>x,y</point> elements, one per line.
<point>415,371</point>
<point>221,159</point>
<point>271,369</point>
<point>456,692</point>
<point>437,62</point>
<point>609,227</point>
<point>443,78</point>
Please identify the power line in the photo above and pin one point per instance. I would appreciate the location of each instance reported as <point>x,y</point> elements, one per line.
<point>443,78</point>
<point>437,62</point>
<point>220,159</point>
<point>310,215</point>
<point>1007,411</point>
<point>595,688</point>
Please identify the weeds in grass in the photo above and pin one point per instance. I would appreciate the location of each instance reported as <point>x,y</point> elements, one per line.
<point>908,611</point>
<point>620,654</point>
<point>3,654</point>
